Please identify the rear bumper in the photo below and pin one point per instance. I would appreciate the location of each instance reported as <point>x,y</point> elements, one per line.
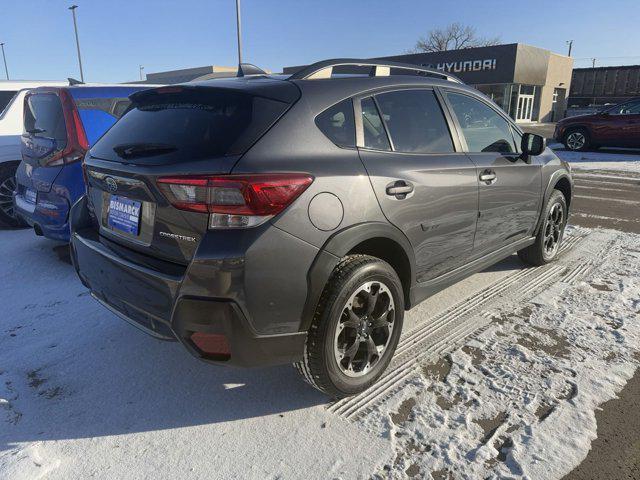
<point>171,303</point>
<point>50,214</point>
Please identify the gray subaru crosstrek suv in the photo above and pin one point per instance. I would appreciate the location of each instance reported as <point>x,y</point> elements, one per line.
<point>264,220</point>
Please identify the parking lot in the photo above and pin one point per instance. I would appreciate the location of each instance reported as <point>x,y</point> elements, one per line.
<point>499,375</point>
<point>607,199</point>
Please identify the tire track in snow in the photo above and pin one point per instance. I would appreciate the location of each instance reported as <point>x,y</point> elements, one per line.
<point>442,333</point>
<point>446,331</point>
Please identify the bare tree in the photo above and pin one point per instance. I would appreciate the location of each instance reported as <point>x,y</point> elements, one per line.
<point>453,37</point>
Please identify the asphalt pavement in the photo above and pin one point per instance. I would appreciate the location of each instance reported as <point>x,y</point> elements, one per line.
<point>607,200</point>
<point>611,199</point>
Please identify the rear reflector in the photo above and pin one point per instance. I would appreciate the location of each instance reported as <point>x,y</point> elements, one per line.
<point>212,345</point>
<point>235,201</point>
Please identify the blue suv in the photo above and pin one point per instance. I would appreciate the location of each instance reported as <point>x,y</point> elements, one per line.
<point>60,125</point>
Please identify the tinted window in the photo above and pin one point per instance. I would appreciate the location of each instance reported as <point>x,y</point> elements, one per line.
<point>375,136</point>
<point>43,117</point>
<point>99,114</point>
<point>483,128</point>
<point>415,121</point>
<point>188,125</point>
<point>338,124</point>
<point>5,98</point>
<point>631,108</point>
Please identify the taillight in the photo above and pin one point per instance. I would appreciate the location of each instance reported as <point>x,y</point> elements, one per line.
<point>77,143</point>
<point>235,201</point>
<point>81,136</point>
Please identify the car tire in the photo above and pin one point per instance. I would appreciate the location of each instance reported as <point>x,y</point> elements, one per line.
<point>7,186</point>
<point>355,328</point>
<point>577,139</point>
<point>549,238</point>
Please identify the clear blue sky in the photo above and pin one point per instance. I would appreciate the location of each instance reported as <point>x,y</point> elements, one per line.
<point>117,35</point>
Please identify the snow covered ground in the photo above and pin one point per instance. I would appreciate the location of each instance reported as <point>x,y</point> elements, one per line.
<point>498,376</point>
<point>617,159</point>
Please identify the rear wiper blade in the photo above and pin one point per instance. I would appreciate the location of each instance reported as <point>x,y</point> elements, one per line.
<point>35,130</point>
<point>131,150</point>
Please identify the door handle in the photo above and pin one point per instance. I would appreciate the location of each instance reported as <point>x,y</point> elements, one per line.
<point>399,189</point>
<point>488,176</point>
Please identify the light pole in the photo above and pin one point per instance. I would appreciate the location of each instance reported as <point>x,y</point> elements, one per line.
<point>239,32</point>
<point>75,28</point>
<point>570,43</point>
<point>141,69</point>
<point>6,70</point>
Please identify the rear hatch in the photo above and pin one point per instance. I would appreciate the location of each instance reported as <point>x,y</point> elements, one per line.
<point>43,141</point>
<point>172,132</point>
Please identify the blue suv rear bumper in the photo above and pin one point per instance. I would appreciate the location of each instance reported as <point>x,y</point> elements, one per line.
<point>49,216</point>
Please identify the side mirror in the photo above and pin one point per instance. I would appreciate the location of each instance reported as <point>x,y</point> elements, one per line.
<point>532,144</point>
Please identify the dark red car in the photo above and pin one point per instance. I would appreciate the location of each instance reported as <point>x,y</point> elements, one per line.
<point>617,126</point>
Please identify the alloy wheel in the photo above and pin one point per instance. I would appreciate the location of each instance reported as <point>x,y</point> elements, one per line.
<point>364,329</point>
<point>553,229</point>
<point>6,196</point>
<point>576,140</point>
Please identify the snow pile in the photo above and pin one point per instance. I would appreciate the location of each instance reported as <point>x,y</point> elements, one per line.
<point>519,399</point>
<point>605,159</point>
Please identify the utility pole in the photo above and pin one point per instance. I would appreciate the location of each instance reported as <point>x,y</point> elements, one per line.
<point>141,69</point>
<point>570,43</point>
<point>75,28</point>
<point>239,32</point>
<point>6,70</point>
<point>593,63</point>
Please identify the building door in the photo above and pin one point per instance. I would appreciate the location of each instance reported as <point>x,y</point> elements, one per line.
<point>557,104</point>
<point>525,108</point>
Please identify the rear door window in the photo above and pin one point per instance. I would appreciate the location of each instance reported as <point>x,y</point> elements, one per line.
<point>190,124</point>
<point>415,121</point>
<point>375,136</point>
<point>43,117</point>
<point>338,125</point>
<point>484,129</point>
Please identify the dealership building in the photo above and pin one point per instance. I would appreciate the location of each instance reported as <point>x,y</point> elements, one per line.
<point>529,83</point>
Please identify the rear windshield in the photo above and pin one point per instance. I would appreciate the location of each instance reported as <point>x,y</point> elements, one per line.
<point>43,117</point>
<point>189,125</point>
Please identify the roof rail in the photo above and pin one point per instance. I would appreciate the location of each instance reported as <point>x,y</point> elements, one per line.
<point>324,69</point>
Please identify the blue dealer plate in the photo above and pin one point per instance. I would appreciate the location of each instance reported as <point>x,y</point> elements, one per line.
<point>124,214</point>
<point>31,196</point>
